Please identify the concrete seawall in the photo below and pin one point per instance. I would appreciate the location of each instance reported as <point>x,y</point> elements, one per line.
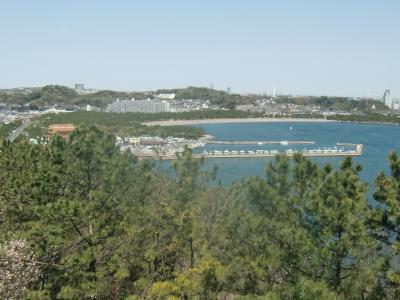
<point>357,152</point>
<point>260,142</point>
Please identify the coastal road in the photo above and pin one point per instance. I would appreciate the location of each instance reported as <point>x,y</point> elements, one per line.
<point>16,132</point>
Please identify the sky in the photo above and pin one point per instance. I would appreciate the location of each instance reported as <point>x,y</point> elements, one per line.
<point>304,47</point>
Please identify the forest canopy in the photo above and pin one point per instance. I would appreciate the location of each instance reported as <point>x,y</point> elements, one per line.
<point>81,220</point>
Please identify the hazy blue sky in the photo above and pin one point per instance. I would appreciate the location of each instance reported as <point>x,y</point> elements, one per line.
<point>319,47</point>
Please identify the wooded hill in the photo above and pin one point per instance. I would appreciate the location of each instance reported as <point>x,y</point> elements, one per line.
<point>62,96</point>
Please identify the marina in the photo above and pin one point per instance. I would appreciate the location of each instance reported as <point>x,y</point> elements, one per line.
<point>338,150</point>
<point>285,143</point>
<point>169,148</point>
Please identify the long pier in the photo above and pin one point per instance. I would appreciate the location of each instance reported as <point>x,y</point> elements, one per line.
<point>253,154</point>
<point>260,142</point>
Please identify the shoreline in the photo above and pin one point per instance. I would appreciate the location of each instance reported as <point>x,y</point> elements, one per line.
<point>231,120</point>
<point>256,120</point>
<point>206,137</point>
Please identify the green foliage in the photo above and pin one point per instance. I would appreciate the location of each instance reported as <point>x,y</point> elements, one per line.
<point>128,124</point>
<point>220,98</point>
<point>46,96</point>
<point>63,96</point>
<point>367,118</point>
<point>306,221</point>
<point>336,103</point>
<point>103,225</point>
<point>5,129</point>
<point>388,193</point>
<point>102,98</point>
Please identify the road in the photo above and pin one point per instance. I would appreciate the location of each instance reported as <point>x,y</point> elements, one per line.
<point>16,132</point>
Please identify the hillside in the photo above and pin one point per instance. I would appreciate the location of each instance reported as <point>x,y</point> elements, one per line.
<point>336,103</point>
<point>61,96</point>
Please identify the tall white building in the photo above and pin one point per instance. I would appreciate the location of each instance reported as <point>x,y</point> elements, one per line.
<point>145,106</point>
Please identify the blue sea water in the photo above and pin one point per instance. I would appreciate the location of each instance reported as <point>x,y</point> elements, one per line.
<point>378,141</point>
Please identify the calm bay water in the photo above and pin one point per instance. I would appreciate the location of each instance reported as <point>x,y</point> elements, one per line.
<point>378,141</point>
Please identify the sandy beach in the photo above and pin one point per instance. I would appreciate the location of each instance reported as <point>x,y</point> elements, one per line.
<point>233,120</point>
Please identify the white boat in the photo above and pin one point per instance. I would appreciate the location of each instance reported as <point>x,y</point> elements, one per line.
<point>284,143</point>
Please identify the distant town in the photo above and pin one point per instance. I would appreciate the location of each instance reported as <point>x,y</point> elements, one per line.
<point>26,102</point>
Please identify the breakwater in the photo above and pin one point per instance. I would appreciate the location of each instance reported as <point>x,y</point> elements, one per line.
<point>357,151</point>
<point>260,142</point>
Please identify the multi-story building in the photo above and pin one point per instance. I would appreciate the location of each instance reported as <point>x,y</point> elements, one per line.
<point>145,106</point>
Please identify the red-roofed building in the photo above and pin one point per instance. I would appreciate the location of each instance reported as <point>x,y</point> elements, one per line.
<point>63,130</point>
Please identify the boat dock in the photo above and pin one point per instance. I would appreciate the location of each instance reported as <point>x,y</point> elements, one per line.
<point>268,153</point>
<point>260,142</point>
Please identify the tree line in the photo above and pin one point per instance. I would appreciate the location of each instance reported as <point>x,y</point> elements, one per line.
<point>131,123</point>
<point>63,96</point>
<point>367,118</point>
<point>58,95</point>
<point>81,220</point>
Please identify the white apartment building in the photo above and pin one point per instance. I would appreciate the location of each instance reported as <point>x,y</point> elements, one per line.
<point>145,106</point>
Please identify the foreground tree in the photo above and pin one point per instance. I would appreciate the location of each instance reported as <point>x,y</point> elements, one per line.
<point>103,225</point>
<point>313,223</point>
<point>388,217</point>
